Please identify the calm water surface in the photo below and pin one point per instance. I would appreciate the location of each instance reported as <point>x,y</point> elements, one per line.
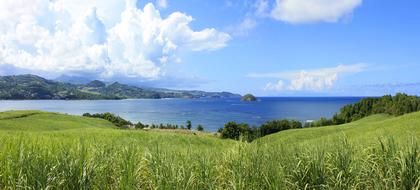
<point>211,113</point>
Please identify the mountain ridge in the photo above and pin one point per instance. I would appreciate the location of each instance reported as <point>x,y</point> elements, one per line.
<point>32,87</point>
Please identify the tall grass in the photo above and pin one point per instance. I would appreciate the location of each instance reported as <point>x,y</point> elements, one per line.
<point>28,162</point>
<point>52,151</point>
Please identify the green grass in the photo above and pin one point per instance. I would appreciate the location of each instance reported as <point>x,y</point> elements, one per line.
<point>41,150</point>
<point>366,131</point>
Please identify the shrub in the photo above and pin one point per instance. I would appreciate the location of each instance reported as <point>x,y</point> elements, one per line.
<point>200,127</point>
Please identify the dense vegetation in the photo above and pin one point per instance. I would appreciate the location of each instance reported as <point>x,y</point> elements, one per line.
<point>22,87</point>
<point>122,123</point>
<point>41,150</point>
<point>242,131</point>
<point>393,105</point>
<point>248,98</point>
<point>114,119</point>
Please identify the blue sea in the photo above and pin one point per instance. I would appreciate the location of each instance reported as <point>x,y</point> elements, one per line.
<point>211,113</point>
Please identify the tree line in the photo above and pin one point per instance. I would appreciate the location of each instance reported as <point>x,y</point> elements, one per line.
<point>231,130</point>
<point>122,123</point>
<point>242,131</point>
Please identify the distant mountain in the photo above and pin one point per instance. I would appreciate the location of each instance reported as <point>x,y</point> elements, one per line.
<point>96,84</point>
<point>21,87</point>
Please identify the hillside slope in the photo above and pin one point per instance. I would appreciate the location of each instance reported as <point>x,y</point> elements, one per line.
<point>38,121</point>
<point>367,130</point>
<point>54,126</point>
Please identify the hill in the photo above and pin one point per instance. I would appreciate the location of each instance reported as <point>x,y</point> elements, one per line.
<point>42,150</point>
<point>21,87</point>
<point>248,98</point>
<point>367,130</point>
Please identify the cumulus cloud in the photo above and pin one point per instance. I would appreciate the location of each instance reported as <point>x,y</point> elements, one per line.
<point>312,80</point>
<point>310,11</point>
<point>102,38</point>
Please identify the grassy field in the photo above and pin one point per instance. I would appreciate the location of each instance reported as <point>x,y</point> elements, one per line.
<point>40,150</point>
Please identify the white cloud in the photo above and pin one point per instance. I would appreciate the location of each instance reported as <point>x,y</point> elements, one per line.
<point>243,28</point>
<point>162,4</point>
<point>278,86</point>
<point>313,80</point>
<point>102,38</point>
<point>310,11</point>
<point>261,7</point>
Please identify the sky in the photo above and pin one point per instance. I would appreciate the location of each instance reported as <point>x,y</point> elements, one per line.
<point>264,47</point>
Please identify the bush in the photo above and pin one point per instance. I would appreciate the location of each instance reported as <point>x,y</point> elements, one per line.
<point>200,128</point>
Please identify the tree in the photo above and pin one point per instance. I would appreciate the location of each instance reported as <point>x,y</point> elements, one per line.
<point>140,125</point>
<point>87,115</point>
<point>236,131</point>
<point>233,130</point>
<point>200,127</point>
<point>275,126</point>
<point>220,130</point>
<point>189,125</point>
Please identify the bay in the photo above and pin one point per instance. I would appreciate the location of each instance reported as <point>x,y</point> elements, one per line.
<point>212,113</point>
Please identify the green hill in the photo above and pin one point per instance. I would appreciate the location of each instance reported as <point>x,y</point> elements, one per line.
<point>37,121</point>
<point>41,150</point>
<point>366,130</point>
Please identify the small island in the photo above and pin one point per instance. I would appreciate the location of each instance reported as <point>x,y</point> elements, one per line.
<point>248,98</point>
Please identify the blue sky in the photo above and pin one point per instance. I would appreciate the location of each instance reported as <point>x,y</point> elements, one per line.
<point>269,48</point>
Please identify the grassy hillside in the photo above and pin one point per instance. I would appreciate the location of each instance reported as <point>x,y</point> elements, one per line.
<point>367,131</point>
<point>48,150</point>
<point>30,121</point>
<point>54,126</point>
